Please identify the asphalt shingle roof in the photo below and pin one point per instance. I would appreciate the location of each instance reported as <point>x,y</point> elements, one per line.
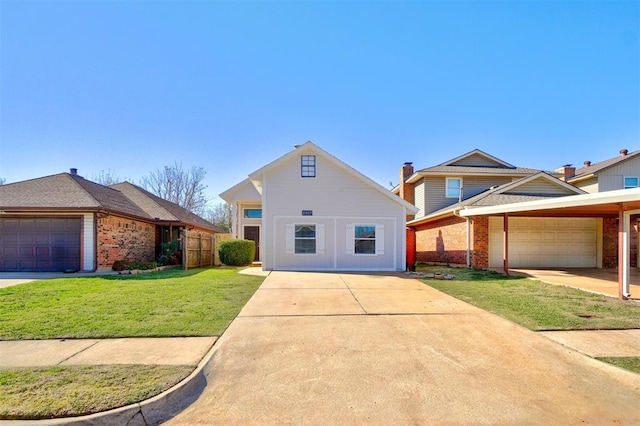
<point>594,168</point>
<point>65,191</point>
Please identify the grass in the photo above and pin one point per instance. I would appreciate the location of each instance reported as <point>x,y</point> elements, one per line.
<point>539,306</point>
<point>40,393</point>
<point>197,302</point>
<point>536,305</point>
<point>628,363</point>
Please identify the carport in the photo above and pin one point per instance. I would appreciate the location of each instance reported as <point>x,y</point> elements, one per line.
<point>622,205</point>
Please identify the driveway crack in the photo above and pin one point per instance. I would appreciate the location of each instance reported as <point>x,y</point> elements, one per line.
<point>354,296</point>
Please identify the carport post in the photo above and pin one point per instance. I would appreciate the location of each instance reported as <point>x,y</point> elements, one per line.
<point>624,229</point>
<point>505,242</point>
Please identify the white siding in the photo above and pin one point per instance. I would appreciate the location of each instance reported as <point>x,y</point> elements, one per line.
<point>419,198</point>
<point>589,185</point>
<point>88,242</point>
<point>335,198</point>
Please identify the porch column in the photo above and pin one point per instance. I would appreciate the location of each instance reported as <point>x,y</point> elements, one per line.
<point>505,243</point>
<point>624,250</point>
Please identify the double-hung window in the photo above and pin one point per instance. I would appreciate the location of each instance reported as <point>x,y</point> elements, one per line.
<point>453,187</point>
<point>305,239</point>
<point>631,182</point>
<point>308,166</point>
<point>365,239</point>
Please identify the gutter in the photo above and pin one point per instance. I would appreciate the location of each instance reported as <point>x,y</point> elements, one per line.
<point>456,212</point>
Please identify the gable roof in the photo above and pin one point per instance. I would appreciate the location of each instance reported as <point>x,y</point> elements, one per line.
<point>246,188</point>
<point>159,208</point>
<point>473,163</point>
<point>593,169</point>
<point>310,147</point>
<point>540,186</point>
<point>67,192</point>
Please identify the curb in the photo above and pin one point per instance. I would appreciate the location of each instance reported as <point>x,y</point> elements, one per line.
<point>152,411</point>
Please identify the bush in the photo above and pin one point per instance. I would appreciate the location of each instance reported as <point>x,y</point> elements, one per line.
<point>119,265</point>
<point>237,252</point>
<point>123,265</point>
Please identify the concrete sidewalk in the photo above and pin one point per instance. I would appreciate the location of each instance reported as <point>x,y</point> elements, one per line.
<point>159,351</point>
<point>318,348</point>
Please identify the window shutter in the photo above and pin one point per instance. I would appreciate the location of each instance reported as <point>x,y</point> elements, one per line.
<point>290,238</point>
<point>379,239</point>
<point>320,238</point>
<point>351,238</point>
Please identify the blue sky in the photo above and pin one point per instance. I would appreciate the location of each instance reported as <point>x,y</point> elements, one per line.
<point>129,86</point>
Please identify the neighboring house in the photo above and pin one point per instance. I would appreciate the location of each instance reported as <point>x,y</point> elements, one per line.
<point>620,172</point>
<point>437,187</point>
<point>485,228</point>
<point>64,222</point>
<point>307,210</point>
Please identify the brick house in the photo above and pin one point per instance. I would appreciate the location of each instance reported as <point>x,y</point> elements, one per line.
<point>64,222</point>
<point>531,221</point>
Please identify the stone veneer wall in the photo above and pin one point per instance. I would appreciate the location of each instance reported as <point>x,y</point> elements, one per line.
<point>124,239</point>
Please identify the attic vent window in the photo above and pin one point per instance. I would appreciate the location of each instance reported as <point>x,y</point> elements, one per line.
<point>308,166</point>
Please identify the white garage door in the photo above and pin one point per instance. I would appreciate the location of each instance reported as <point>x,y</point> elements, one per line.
<point>545,242</point>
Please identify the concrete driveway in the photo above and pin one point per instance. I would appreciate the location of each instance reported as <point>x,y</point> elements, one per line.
<point>315,348</point>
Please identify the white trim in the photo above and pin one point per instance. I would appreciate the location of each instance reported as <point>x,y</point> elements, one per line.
<point>624,182</point>
<point>618,196</point>
<point>446,186</point>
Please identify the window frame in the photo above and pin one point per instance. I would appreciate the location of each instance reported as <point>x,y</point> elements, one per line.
<point>296,238</point>
<point>624,182</point>
<point>446,187</point>
<point>308,168</point>
<point>246,216</point>
<point>356,238</point>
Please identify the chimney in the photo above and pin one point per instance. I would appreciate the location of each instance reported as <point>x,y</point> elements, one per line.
<point>73,171</point>
<point>624,152</point>
<point>567,171</point>
<point>407,191</point>
<point>587,163</point>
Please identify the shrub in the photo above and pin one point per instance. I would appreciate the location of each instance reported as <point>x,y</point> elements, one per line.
<point>119,265</point>
<point>237,252</point>
<point>171,254</point>
<point>123,265</point>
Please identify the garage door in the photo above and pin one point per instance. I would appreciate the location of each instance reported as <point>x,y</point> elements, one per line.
<point>39,244</point>
<point>545,242</point>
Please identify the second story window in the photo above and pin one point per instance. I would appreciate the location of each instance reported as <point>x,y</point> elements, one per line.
<point>308,166</point>
<point>631,182</point>
<point>453,187</point>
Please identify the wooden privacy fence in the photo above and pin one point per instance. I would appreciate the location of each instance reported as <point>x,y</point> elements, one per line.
<point>201,249</point>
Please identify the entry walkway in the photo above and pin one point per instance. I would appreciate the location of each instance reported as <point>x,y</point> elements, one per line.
<point>317,348</point>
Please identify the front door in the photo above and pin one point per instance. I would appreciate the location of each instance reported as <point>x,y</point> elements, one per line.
<point>253,233</point>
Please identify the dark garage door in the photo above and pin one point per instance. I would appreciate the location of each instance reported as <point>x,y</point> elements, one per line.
<point>39,244</point>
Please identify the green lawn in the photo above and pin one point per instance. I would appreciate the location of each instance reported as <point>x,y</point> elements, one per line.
<point>198,302</point>
<point>540,306</point>
<point>40,393</point>
<point>536,305</point>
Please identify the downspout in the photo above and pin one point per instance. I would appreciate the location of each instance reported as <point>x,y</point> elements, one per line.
<point>457,213</point>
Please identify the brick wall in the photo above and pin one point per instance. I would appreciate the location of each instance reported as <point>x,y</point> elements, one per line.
<point>124,239</point>
<point>609,243</point>
<point>443,241</point>
<point>480,242</point>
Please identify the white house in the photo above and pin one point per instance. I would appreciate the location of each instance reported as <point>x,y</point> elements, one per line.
<point>307,210</point>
